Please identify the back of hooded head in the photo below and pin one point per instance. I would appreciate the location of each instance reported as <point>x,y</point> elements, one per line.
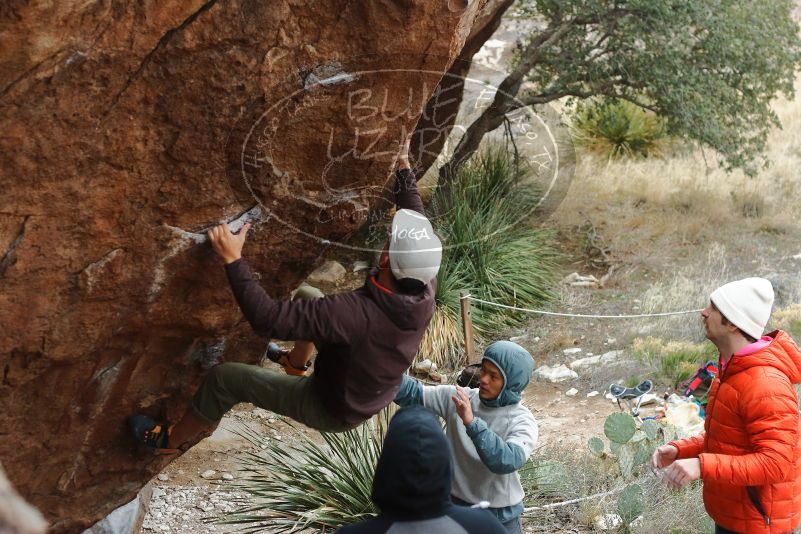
<point>413,475</point>
<point>516,366</point>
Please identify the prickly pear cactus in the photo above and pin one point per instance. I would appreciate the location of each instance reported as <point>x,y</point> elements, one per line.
<point>596,446</point>
<point>630,447</point>
<point>619,427</point>
<point>642,452</point>
<point>650,428</point>
<point>550,477</point>
<point>671,433</point>
<point>630,503</point>
<point>638,436</point>
<point>625,458</point>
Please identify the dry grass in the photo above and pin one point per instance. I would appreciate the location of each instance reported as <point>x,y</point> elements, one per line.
<point>577,473</point>
<point>557,342</point>
<point>680,226</point>
<point>443,342</point>
<point>686,199</point>
<point>688,288</point>
<point>789,320</point>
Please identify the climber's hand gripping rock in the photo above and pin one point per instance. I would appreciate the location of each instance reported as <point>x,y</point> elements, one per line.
<point>226,243</point>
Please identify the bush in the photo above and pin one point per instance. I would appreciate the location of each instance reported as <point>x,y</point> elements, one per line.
<point>293,487</point>
<point>676,361</point>
<point>490,250</point>
<point>610,478</point>
<point>618,128</point>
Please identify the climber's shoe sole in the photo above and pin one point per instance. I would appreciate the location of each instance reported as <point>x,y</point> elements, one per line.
<point>151,435</point>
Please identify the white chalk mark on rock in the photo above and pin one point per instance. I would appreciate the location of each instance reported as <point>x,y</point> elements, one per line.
<point>186,239</point>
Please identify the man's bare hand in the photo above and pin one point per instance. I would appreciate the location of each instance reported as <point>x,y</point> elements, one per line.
<point>682,472</point>
<point>226,243</point>
<point>664,456</point>
<point>463,408</point>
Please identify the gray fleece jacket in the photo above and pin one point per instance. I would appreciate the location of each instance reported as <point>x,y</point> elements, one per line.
<point>488,452</point>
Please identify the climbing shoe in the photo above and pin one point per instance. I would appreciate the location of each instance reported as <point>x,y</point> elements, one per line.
<point>151,435</point>
<point>276,354</point>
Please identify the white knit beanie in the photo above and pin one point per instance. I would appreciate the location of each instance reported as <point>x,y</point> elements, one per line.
<point>746,304</point>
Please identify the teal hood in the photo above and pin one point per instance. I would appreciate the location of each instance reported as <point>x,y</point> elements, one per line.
<point>516,365</point>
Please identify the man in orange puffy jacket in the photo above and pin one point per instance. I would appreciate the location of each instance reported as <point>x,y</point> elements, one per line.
<point>749,455</point>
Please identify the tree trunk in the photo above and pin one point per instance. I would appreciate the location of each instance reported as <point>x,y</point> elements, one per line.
<point>504,102</point>
<point>440,113</point>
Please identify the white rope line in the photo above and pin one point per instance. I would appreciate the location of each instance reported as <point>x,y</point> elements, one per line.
<point>573,501</point>
<point>639,481</point>
<point>586,316</point>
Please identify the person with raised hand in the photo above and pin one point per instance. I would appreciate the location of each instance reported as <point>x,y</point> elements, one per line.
<point>365,339</point>
<point>490,432</point>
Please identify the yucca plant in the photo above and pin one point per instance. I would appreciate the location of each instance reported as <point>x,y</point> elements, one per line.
<point>491,250</point>
<point>308,485</point>
<point>618,128</point>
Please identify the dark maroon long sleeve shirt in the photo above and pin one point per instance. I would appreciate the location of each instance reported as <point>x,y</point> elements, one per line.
<point>365,339</point>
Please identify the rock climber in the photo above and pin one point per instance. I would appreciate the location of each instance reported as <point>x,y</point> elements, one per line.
<point>365,339</point>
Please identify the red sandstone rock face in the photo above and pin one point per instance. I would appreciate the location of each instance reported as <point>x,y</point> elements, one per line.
<point>129,128</point>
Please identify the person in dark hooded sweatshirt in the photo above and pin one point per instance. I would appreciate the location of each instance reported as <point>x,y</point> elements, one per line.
<point>489,430</point>
<point>365,339</point>
<point>412,483</point>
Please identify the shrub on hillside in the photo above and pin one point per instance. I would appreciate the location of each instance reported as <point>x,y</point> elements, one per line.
<point>677,361</point>
<point>617,128</point>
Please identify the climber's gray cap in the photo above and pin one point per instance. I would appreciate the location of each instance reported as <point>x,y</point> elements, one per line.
<point>415,251</point>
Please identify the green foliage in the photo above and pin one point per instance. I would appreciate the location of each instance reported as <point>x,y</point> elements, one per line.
<point>617,128</point>
<point>596,445</point>
<point>677,361</point>
<point>643,450</point>
<point>490,250</point>
<point>544,478</point>
<point>619,427</point>
<point>307,485</point>
<point>657,509</point>
<point>630,447</point>
<point>625,457</point>
<point>650,428</point>
<point>709,69</point>
<point>630,503</point>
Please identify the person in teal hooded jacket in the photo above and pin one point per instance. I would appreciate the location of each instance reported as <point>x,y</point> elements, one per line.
<point>491,434</point>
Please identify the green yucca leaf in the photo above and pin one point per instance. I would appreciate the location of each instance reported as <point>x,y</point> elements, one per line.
<point>294,487</point>
<point>491,251</point>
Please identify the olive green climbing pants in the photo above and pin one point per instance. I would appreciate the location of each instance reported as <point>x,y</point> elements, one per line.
<point>292,396</point>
